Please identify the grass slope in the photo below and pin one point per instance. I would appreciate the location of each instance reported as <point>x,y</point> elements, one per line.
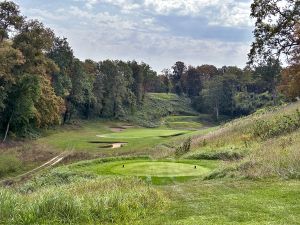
<point>159,105</point>
<point>249,174</point>
<point>232,202</point>
<point>98,201</point>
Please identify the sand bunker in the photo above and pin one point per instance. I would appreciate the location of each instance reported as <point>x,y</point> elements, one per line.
<point>109,144</point>
<point>172,135</point>
<point>118,145</point>
<point>117,129</point>
<point>127,126</point>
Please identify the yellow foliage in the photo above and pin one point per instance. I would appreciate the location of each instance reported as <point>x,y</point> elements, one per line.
<point>49,106</point>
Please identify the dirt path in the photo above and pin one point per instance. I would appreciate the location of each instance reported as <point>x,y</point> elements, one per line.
<point>25,176</point>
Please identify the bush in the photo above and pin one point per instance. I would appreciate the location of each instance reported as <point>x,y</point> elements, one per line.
<point>184,148</point>
<point>281,124</point>
<point>223,155</point>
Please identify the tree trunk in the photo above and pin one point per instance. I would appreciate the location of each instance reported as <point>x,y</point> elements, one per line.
<point>65,116</point>
<point>7,129</point>
<point>217,111</point>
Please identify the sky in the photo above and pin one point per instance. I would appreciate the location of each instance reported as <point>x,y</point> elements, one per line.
<point>157,32</point>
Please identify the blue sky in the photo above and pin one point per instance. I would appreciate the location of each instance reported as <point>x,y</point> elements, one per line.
<point>158,32</point>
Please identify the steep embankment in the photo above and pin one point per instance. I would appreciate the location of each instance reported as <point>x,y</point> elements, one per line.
<point>265,144</point>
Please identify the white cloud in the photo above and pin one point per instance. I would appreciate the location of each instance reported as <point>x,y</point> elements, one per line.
<point>100,34</point>
<point>218,12</point>
<point>112,37</point>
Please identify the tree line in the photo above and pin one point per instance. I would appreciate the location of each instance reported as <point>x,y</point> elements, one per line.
<point>43,84</point>
<point>228,90</point>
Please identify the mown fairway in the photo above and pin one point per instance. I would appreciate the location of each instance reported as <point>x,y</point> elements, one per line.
<point>96,137</point>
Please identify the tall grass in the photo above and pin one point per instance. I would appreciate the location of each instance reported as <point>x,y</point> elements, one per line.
<point>9,164</point>
<point>99,201</point>
<point>277,157</point>
<point>265,144</point>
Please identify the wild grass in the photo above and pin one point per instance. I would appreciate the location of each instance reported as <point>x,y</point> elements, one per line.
<point>9,164</point>
<point>276,157</point>
<point>19,157</point>
<point>111,200</point>
<point>265,144</point>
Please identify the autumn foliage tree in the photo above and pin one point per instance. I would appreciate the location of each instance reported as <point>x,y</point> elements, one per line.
<point>275,30</point>
<point>290,76</point>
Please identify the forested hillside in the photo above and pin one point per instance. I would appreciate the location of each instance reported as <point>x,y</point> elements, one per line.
<point>44,84</point>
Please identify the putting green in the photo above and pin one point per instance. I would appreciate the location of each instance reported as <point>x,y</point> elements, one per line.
<point>159,169</point>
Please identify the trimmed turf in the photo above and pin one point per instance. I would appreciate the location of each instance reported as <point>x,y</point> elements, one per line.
<point>143,133</point>
<point>85,138</point>
<point>156,172</point>
<point>159,169</point>
<point>228,202</point>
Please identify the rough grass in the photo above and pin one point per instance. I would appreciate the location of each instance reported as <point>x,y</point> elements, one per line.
<point>99,201</point>
<point>186,122</point>
<point>9,164</point>
<point>268,143</point>
<point>21,157</point>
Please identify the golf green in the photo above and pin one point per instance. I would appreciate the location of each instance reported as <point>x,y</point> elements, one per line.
<point>159,169</point>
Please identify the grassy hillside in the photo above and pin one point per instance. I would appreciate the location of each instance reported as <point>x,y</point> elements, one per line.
<point>265,144</point>
<point>246,171</point>
<point>159,105</point>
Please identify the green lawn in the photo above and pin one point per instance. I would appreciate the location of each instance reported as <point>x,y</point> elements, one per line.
<point>159,169</point>
<point>231,202</point>
<point>90,137</point>
<point>142,133</point>
<point>157,172</point>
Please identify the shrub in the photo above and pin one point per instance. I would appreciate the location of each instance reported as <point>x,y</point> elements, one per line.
<point>278,125</point>
<point>222,155</point>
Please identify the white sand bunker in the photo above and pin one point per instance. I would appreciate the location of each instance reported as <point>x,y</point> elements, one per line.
<point>101,136</point>
<point>118,145</point>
